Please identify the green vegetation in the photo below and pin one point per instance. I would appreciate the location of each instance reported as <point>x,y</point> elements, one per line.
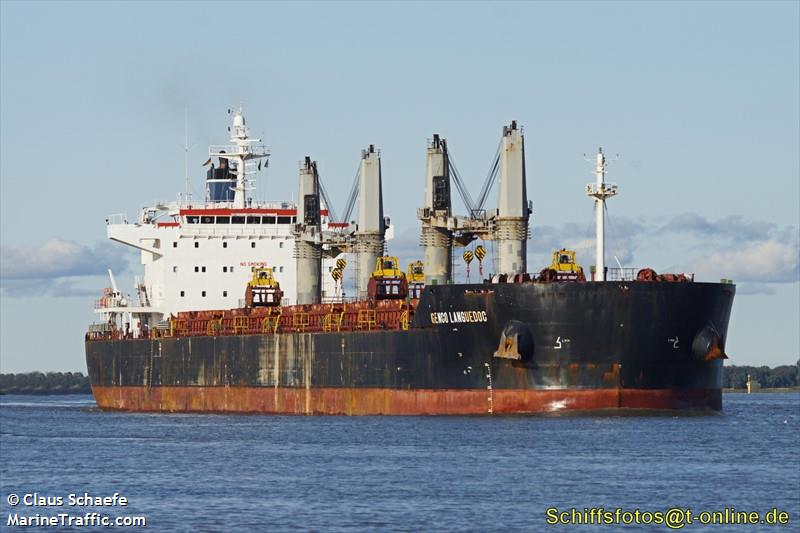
<point>735,377</point>
<point>45,383</point>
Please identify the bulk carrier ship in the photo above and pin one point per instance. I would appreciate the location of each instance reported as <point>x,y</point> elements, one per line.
<point>241,307</point>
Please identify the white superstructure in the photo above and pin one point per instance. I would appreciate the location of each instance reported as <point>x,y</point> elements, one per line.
<point>200,256</point>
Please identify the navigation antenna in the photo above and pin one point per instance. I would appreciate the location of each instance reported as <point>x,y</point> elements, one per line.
<point>600,191</point>
<point>186,148</point>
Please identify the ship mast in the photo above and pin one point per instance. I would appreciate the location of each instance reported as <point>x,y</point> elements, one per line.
<point>600,191</point>
<point>241,150</point>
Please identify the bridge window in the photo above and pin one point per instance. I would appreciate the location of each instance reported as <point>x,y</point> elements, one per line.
<point>206,220</point>
<point>253,220</point>
<point>284,220</point>
<point>237,220</point>
<point>268,220</point>
<point>192,219</point>
<point>223,220</point>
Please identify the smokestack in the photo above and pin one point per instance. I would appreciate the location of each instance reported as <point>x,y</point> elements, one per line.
<point>369,237</point>
<point>513,211</point>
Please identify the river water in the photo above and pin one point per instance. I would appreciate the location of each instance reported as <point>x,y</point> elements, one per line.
<point>276,473</point>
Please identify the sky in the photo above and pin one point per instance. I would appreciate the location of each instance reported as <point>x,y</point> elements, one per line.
<point>699,100</point>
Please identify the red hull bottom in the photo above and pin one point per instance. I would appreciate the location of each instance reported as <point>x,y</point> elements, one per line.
<point>366,401</point>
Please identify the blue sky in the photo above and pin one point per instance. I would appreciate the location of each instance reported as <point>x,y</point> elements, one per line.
<point>699,99</point>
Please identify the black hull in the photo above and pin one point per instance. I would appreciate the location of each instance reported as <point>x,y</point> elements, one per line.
<point>580,345</point>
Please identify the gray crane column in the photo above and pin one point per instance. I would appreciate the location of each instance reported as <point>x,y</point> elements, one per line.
<point>371,229</point>
<point>437,241</point>
<point>307,235</point>
<point>512,204</point>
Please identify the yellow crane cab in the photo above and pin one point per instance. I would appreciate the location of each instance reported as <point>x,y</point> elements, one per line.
<point>564,261</point>
<point>263,290</point>
<point>387,281</point>
<point>416,272</point>
<point>387,267</point>
<point>416,278</point>
<point>565,267</point>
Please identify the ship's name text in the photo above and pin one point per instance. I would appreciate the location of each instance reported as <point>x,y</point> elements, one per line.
<point>458,317</point>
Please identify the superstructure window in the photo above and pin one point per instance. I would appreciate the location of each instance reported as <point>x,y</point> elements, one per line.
<point>253,220</point>
<point>202,269</point>
<point>224,294</point>
<point>197,245</point>
<point>206,220</point>
<point>280,244</point>
<point>174,244</point>
<point>252,245</point>
<point>192,219</point>
<point>183,293</point>
<point>223,220</point>
<point>224,269</point>
<point>230,269</point>
<point>268,220</point>
<point>284,220</point>
<point>203,294</point>
<point>197,269</point>
<point>175,268</point>
<point>224,244</point>
<point>237,220</point>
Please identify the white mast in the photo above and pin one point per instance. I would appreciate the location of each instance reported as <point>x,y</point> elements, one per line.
<point>186,148</point>
<point>599,191</point>
<point>242,150</point>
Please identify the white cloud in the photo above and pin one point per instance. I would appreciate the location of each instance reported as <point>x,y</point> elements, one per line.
<point>734,227</point>
<point>773,260</point>
<point>753,252</point>
<point>53,267</point>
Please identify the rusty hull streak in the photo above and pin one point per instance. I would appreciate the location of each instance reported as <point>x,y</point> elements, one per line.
<point>613,375</point>
<point>373,401</point>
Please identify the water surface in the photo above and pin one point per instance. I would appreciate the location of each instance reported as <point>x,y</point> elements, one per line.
<point>272,473</point>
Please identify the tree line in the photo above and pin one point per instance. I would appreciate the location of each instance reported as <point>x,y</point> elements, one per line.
<point>45,383</point>
<point>735,377</point>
